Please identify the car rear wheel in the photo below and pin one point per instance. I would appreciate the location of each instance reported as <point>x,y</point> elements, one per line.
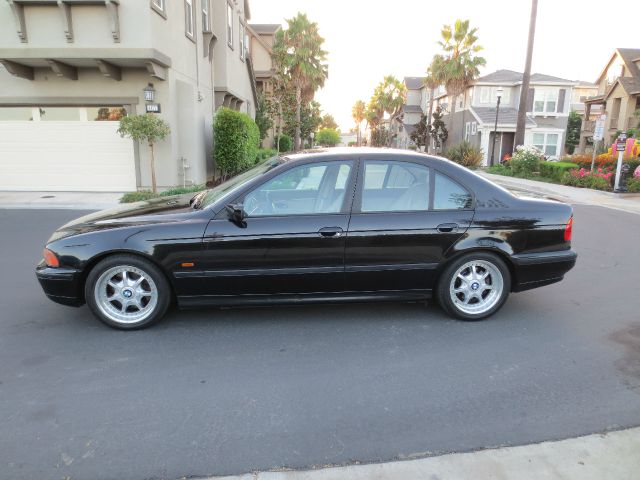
<point>474,286</point>
<point>127,292</point>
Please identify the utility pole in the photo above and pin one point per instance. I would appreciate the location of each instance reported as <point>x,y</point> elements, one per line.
<point>524,93</point>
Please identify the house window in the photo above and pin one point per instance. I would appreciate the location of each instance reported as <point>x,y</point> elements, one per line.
<point>547,143</point>
<point>467,131</point>
<point>545,100</point>
<point>474,128</point>
<point>206,19</point>
<point>188,18</point>
<point>246,45</point>
<point>489,95</point>
<point>230,25</point>
<point>241,42</point>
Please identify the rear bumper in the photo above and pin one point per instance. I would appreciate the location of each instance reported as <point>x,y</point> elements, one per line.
<point>61,285</point>
<point>538,269</point>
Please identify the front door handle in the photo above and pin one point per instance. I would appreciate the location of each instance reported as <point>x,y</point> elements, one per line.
<point>447,227</point>
<point>330,231</point>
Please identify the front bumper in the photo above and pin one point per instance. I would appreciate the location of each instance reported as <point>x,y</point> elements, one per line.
<point>62,285</point>
<point>538,269</point>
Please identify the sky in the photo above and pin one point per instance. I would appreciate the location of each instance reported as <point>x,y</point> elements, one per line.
<point>368,39</point>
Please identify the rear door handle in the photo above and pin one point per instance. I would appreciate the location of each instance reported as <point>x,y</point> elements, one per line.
<point>330,231</point>
<point>447,227</point>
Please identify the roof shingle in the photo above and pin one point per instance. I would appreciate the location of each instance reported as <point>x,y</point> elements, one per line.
<point>507,116</point>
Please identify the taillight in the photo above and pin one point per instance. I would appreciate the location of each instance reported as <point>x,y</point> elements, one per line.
<point>568,230</point>
<point>50,258</point>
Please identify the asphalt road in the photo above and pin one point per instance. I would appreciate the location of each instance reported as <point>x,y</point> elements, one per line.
<point>230,391</point>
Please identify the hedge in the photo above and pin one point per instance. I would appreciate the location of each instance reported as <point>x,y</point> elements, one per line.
<point>285,144</point>
<point>555,170</point>
<point>237,138</point>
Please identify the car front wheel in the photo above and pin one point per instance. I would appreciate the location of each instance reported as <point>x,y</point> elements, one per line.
<point>127,292</point>
<point>474,286</point>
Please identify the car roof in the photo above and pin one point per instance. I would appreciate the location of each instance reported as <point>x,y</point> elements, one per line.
<point>349,152</point>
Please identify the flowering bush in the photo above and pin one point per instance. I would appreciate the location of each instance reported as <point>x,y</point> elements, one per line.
<point>525,160</point>
<point>636,172</point>
<point>600,179</point>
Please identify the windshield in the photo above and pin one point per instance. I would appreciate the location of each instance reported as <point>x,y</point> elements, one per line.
<point>228,186</point>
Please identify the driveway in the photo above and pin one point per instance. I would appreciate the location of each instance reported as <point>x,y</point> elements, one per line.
<point>229,391</point>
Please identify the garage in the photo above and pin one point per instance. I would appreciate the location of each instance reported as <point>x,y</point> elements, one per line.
<point>65,148</point>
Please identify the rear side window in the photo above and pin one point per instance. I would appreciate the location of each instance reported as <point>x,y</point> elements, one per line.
<point>391,186</point>
<point>449,195</point>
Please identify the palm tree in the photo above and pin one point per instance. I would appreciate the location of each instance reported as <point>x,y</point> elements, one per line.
<point>298,54</point>
<point>358,114</point>
<point>526,78</point>
<point>431,81</point>
<point>459,65</point>
<point>389,97</point>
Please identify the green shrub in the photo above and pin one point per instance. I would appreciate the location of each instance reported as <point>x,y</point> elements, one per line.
<point>633,185</point>
<point>328,137</point>
<point>131,197</point>
<point>555,170</point>
<point>464,154</point>
<point>525,161</point>
<point>181,190</point>
<point>286,143</point>
<point>353,144</point>
<point>500,169</point>
<point>236,141</point>
<point>264,153</point>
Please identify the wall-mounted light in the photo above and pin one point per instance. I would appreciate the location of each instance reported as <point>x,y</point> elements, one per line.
<point>149,93</point>
<point>499,92</point>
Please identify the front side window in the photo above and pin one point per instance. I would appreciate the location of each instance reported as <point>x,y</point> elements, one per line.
<point>449,195</point>
<point>206,20</point>
<point>241,42</point>
<point>313,189</point>
<point>395,187</point>
<point>188,17</point>
<point>547,143</point>
<point>230,25</point>
<point>545,100</point>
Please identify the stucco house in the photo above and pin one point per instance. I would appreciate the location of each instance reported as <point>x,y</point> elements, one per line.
<point>618,95</point>
<point>548,107</point>
<point>69,69</point>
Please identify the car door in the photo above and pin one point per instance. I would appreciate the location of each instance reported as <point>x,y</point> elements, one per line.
<point>292,238</point>
<point>405,217</point>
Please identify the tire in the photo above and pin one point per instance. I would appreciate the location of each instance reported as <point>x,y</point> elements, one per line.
<point>127,292</point>
<point>458,287</point>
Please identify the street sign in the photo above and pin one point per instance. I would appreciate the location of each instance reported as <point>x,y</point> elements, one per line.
<point>153,108</point>
<point>598,133</point>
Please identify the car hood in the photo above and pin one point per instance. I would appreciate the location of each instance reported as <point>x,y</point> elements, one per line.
<point>158,210</point>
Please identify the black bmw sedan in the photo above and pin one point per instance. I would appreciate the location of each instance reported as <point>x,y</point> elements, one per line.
<point>339,225</point>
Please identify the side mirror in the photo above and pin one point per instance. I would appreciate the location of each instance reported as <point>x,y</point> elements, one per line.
<point>235,212</point>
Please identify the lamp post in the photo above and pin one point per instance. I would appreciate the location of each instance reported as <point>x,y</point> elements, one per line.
<point>495,127</point>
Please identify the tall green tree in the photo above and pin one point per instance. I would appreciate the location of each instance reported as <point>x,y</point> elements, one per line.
<point>459,64</point>
<point>358,112</point>
<point>574,124</point>
<point>298,54</point>
<point>264,118</point>
<point>329,122</point>
<point>388,97</point>
<point>432,81</point>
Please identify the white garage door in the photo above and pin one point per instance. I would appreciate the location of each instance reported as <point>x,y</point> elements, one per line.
<point>64,149</point>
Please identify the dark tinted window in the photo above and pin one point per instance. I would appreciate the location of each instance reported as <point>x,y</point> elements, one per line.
<point>449,195</point>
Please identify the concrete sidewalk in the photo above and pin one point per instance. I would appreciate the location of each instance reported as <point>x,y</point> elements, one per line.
<point>627,202</point>
<point>60,200</point>
<point>611,456</point>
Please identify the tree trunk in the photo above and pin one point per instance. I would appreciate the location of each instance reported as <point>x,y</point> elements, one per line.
<point>526,78</point>
<point>154,187</point>
<point>431,93</point>
<point>298,121</point>
<point>452,112</point>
